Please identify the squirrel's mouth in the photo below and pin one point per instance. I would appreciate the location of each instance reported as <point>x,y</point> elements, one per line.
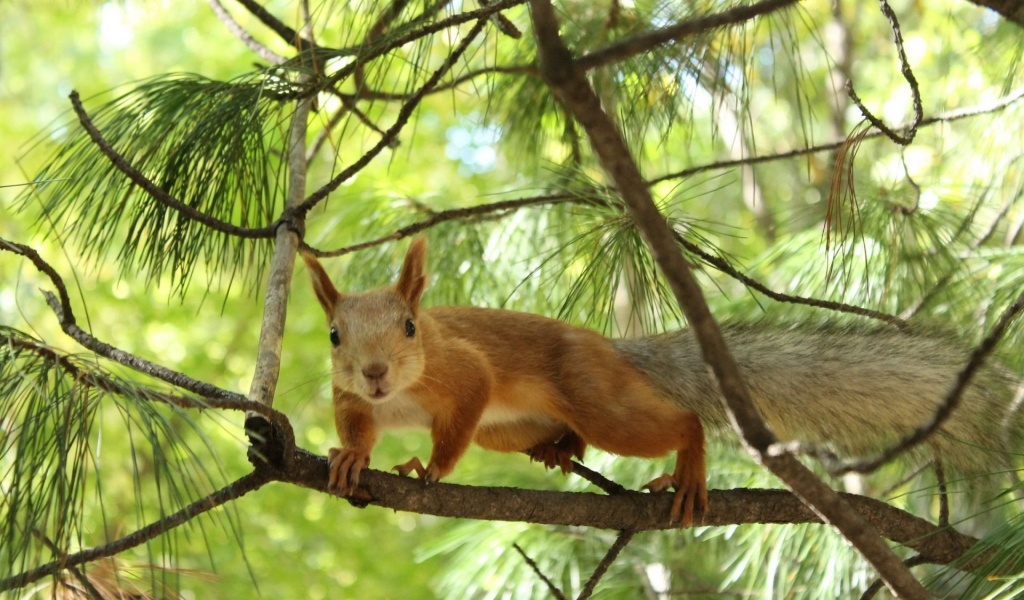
<point>377,393</point>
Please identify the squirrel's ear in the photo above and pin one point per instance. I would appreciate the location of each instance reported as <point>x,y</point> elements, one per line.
<point>326,293</point>
<point>413,279</point>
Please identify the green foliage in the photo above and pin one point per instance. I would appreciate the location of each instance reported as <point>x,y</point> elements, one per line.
<point>58,410</point>
<point>209,144</point>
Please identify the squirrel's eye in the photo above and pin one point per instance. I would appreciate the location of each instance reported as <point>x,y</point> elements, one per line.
<point>410,328</point>
<point>335,340</point>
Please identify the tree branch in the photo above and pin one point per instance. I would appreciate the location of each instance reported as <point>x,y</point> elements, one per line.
<point>626,511</point>
<point>575,92</point>
<point>61,305</point>
<point>451,214</point>
<point>107,383</point>
<point>286,33</point>
<point>555,592</point>
<point>908,74</point>
<point>946,117</point>
<point>246,38</point>
<point>621,541</point>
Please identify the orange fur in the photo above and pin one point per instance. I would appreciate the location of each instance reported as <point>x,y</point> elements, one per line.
<point>510,381</point>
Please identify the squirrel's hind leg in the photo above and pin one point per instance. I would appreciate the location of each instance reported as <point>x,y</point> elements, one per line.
<point>689,479</point>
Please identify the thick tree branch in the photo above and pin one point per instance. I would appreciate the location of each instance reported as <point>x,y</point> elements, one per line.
<point>575,92</point>
<point>625,511</point>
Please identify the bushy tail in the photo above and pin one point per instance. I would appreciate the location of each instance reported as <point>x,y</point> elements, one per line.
<point>857,389</point>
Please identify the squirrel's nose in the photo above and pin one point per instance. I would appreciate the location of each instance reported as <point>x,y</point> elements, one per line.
<point>375,371</point>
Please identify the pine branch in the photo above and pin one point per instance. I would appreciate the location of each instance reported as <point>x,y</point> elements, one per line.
<point>628,510</point>
<point>237,489</point>
<point>646,42</point>
<point>946,117</point>
<point>286,33</point>
<point>453,214</point>
<point>155,191</point>
<point>61,305</point>
<point>109,384</point>
<point>621,541</point>
<point>908,74</point>
<point>246,38</point>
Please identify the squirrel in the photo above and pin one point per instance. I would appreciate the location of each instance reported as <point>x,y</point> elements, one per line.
<point>513,381</point>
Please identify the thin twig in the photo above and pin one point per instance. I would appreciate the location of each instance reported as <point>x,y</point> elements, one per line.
<point>239,32</point>
<point>599,480</point>
<point>286,33</point>
<point>75,571</point>
<point>403,116</point>
<point>949,404</point>
<point>876,586</point>
<point>364,55</point>
<point>673,33</point>
<point>446,215</point>
<point>940,477</point>
<point>154,190</point>
<point>621,541</point>
<point>908,74</point>
<point>723,266</point>
<point>107,383</point>
<point>232,491</point>
<point>555,592</point>
<point>946,117</point>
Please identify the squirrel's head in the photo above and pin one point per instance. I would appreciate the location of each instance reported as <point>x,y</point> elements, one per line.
<point>376,348</point>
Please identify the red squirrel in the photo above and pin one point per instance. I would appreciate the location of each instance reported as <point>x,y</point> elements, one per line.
<point>515,381</point>
<point>510,381</point>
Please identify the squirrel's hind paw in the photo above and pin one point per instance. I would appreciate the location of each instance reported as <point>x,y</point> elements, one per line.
<point>559,453</point>
<point>427,474</point>
<point>690,494</point>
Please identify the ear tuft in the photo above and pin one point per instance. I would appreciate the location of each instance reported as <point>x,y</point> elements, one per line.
<point>325,291</point>
<point>413,278</point>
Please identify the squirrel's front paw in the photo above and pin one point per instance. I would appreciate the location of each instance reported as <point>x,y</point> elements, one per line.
<point>344,466</point>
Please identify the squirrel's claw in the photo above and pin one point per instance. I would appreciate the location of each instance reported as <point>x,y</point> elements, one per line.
<point>344,467</point>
